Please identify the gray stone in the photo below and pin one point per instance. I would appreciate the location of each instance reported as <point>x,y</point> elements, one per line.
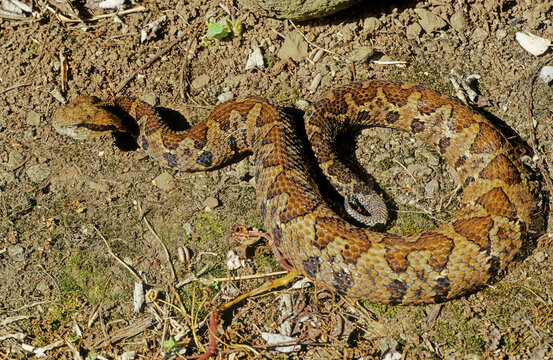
<point>38,173</point>
<point>226,96</point>
<point>479,35</point>
<point>413,31</point>
<point>165,181</point>
<point>371,24</point>
<point>297,9</point>
<point>16,252</point>
<point>150,99</point>
<point>430,22</point>
<point>294,47</point>
<point>431,187</point>
<point>457,21</point>
<point>211,203</point>
<point>425,154</point>
<point>362,54</point>
<point>200,81</point>
<point>34,118</point>
<point>15,158</point>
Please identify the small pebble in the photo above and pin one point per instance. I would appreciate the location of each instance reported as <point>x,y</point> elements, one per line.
<point>226,96</point>
<point>165,181</point>
<point>38,173</point>
<point>34,118</point>
<point>16,252</point>
<point>211,202</point>
<point>362,54</point>
<point>302,104</point>
<point>200,81</point>
<point>15,158</point>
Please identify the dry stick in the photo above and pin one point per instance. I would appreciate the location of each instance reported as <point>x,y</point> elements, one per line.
<point>314,45</point>
<point>126,81</point>
<point>138,278</point>
<point>173,273</point>
<point>65,19</point>
<point>531,128</point>
<point>14,87</point>
<point>184,66</point>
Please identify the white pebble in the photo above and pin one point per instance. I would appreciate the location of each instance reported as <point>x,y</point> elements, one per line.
<point>534,44</point>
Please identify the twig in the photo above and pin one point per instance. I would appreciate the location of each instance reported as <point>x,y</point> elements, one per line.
<point>173,273</point>
<point>65,19</point>
<point>126,81</point>
<point>531,128</point>
<point>314,45</point>
<point>184,67</point>
<point>117,257</point>
<point>14,87</point>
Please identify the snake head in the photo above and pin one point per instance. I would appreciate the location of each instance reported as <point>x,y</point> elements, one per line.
<point>368,209</point>
<point>86,117</point>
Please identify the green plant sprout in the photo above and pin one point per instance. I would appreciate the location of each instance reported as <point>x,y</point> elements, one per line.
<point>220,30</point>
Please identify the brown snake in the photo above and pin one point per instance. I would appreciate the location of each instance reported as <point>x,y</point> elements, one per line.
<point>457,258</point>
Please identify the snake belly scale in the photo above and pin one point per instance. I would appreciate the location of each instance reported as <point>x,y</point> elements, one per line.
<point>455,259</point>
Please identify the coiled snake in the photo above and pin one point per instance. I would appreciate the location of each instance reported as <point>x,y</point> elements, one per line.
<point>458,257</point>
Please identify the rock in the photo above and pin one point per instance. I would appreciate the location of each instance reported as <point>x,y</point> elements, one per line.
<point>315,83</point>
<point>540,256</point>
<point>255,59</point>
<point>15,158</point>
<point>211,203</point>
<point>413,31</point>
<point>457,21</point>
<point>431,187</point>
<point>226,96</point>
<point>34,118</point>
<point>165,181</point>
<point>297,9</point>
<point>427,155</point>
<point>371,24</point>
<point>38,173</point>
<point>150,99</point>
<point>6,178</point>
<point>200,81</point>
<point>16,252</point>
<point>98,187</point>
<point>479,35</point>
<point>430,22</point>
<point>302,104</point>
<point>362,54</point>
<point>294,47</point>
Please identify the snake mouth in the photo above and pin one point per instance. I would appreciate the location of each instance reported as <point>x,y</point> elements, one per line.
<point>357,206</point>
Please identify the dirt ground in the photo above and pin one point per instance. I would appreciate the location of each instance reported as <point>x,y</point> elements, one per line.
<point>59,198</point>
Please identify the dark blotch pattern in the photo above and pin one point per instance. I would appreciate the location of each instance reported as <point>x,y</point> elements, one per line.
<point>417,126</point>
<point>443,144</point>
<point>442,289</point>
<point>205,158</point>
<point>392,117</point>
<point>172,159</point>
<point>342,282</point>
<point>397,290</point>
<point>311,266</point>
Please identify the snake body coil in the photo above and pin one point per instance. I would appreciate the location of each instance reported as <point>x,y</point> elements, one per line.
<point>450,261</point>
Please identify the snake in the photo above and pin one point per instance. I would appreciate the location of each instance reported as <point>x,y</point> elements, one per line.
<point>453,260</point>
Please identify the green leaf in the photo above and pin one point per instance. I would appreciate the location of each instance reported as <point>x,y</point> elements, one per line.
<point>170,344</point>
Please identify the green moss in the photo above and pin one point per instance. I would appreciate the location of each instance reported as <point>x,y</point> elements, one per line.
<point>454,329</point>
<point>207,227</point>
<point>413,222</point>
<point>79,276</point>
<point>265,261</point>
<point>390,311</point>
<point>384,164</point>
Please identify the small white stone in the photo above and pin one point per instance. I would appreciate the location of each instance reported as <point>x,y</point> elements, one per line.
<point>534,44</point>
